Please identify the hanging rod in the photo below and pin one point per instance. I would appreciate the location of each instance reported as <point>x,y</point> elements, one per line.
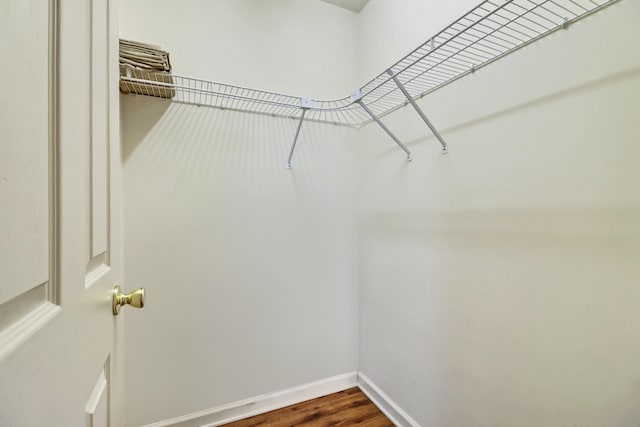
<point>488,32</point>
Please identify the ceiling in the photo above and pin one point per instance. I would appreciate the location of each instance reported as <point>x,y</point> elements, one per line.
<point>352,5</point>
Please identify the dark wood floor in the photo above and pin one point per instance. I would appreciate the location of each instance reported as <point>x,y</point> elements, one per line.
<point>346,408</point>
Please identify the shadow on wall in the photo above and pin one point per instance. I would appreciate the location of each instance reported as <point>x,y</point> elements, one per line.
<point>497,114</point>
<point>149,115</point>
<point>532,103</point>
<point>200,145</point>
<point>264,142</point>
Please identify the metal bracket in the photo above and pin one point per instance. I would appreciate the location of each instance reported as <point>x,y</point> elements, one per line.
<point>305,104</point>
<point>418,110</point>
<point>357,98</point>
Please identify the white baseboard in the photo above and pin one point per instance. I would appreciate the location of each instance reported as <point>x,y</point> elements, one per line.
<point>260,404</point>
<point>386,405</point>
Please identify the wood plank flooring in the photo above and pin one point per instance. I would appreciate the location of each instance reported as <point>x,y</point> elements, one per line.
<point>346,408</point>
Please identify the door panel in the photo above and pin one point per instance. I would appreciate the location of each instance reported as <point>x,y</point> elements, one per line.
<point>59,341</point>
<point>26,168</point>
<point>97,407</point>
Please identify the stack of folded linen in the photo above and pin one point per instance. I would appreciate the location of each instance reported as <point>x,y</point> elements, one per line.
<point>147,62</point>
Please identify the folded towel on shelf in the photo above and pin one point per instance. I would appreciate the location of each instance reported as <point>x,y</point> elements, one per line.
<point>142,61</point>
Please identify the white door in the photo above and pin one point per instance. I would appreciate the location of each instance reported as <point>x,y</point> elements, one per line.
<point>60,214</point>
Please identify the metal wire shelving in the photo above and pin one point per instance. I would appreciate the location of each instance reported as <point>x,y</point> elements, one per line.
<point>488,32</point>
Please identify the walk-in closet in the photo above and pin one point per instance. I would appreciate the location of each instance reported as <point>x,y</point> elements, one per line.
<point>357,212</point>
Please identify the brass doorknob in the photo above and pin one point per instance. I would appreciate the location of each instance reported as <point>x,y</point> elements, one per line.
<point>134,299</point>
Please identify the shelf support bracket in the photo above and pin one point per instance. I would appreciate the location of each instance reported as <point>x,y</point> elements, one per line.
<point>418,110</point>
<point>305,104</point>
<point>357,97</point>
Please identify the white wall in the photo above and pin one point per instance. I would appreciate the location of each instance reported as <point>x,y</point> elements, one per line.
<point>500,283</point>
<point>299,47</point>
<point>250,268</point>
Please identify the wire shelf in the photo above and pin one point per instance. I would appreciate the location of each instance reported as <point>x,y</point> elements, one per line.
<point>490,31</point>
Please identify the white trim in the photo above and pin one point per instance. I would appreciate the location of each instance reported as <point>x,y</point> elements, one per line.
<point>263,403</point>
<point>391,409</point>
